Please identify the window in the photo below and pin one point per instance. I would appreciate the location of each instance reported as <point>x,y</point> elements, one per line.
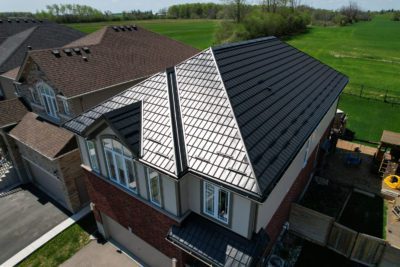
<point>34,98</point>
<point>154,187</point>
<point>216,202</point>
<point>121,168</point>
<point>48,99</point>
<point>66,106</point>
<point>94,163</point>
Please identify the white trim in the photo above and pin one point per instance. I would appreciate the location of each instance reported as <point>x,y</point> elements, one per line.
<point>170,122</point>
<point>95,155</point>
<point>234,118</point>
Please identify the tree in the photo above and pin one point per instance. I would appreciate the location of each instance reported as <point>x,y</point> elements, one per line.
<point>238,8</point>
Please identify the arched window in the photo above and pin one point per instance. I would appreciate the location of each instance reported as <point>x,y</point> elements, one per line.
<point>120,165</point>
<point>48,99</point>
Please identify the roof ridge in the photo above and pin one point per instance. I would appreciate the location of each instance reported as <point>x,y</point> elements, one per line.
<point>235,121</point>
<point>246,42</point>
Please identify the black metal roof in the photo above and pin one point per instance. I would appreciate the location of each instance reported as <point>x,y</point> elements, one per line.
<point>279,95</point>
<point>246,111</point>
<point>217,245</point>
<point>16,37</point>
<point>126,122</point>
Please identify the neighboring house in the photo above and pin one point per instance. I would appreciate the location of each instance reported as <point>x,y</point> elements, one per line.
<point>201,162</point>
<point>19,35</point>
<point>58,84</point>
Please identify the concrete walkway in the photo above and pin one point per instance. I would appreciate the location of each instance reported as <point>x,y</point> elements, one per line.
<point>96,254</point>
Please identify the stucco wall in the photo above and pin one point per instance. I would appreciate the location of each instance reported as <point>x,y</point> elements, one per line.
<point>269,207</point>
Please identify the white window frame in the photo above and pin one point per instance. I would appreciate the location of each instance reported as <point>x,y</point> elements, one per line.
<point>151,174</point>
<point>215,197</point>
<point>93,159</point>
<point>48,99</point>
<point>126,157</point>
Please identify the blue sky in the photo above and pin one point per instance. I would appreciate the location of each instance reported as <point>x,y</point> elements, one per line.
<point>155,5</point>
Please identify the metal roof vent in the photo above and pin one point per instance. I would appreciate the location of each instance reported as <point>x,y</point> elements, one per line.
<point>68,51</point>
<point>29,47</point>
<point>9,20</point>
<point>122,28</point>
<point>26,21</point>
<point>86,49</point>
<point>56,52</point>
<point>85,59</point>
<point>128,28</point>
<point>17,20</point>
<point>77,50</point>
<point>41,21</point>
<point>115,28</point>
<point>1,21</point>
<point>34,21</point>
<point>134,27</point>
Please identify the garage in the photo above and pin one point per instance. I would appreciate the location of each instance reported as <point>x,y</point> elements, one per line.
<point>47,182</point>
<point>132,243</point>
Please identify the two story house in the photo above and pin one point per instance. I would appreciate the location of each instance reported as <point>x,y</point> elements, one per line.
<point>60,83</point>
<point>19,35</point>
<point>200,163</point>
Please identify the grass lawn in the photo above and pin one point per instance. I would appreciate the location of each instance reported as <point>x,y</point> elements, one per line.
<point>197,33</point>
<point>63,246</point>
<point>364,214</point>
<point>368,117</point>
<point>368,53</point>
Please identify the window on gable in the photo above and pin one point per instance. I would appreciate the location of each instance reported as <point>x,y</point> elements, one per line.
<point>48,99</point>
<point>154,187</point>
<point>120,166</point>
<point>94,163</point>
<point>216,202</point>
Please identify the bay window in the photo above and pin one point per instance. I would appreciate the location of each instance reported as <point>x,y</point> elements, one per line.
<point>94,163</point>
<point>216,202</point>
<point>154,187</point>
<point>120,166</point>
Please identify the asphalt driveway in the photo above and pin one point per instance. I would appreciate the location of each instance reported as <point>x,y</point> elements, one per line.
<point>26,215</point>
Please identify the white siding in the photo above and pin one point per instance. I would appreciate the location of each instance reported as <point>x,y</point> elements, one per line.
<point>241,215</point>
<point>169,195</point>
<point>269,207</point>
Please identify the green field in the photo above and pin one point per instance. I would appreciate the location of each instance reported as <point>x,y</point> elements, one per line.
<point>367,52</point>
<point>197,33</point>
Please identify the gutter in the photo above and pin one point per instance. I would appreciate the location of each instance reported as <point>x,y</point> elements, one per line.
<point>187,251</point>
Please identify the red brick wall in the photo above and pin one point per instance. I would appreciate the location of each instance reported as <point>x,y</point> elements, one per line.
<point>145,222</point>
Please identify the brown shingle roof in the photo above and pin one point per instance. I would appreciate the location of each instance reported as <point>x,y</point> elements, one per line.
<point>118,57</point>
<point>11,111</point>
<point>41,136</point>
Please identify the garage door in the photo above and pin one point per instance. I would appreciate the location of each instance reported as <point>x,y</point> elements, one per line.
<point>47,183</point>
<point>137,246</point>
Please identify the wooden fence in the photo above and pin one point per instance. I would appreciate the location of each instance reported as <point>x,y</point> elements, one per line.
<point>323,230</point>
